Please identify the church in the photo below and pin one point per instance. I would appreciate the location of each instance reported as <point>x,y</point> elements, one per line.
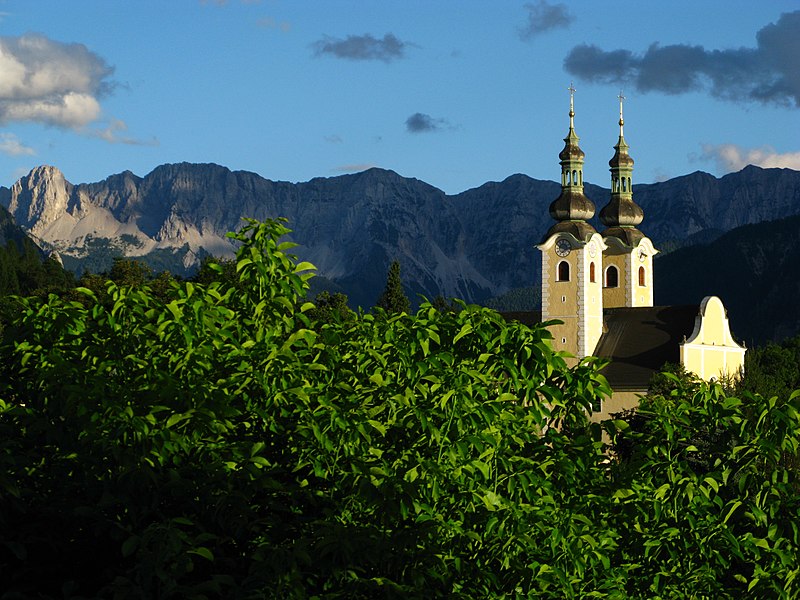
<point>599,287</point>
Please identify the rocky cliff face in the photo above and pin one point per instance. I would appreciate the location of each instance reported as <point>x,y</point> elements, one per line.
<point>473,245</point>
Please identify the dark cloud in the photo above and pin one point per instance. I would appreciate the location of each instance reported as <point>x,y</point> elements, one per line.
<point>544,17</point>
<point>768,73</point>
<point>420,123</point>
<point>362,47</point>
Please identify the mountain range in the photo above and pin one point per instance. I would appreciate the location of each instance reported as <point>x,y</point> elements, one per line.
<point>474,245</point>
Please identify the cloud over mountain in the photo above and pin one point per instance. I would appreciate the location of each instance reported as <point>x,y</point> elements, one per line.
<point>768,73</point>
<point>543,17</point>
<point>730,157</point>
<point>50,82</point>
<point>362,47</point>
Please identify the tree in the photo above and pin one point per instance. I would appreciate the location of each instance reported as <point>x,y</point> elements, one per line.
<point>393,299</point>
<point>126,272</point>
<point>773,369</point>
<point>213,268</point>
<point>219,443</point>
<point>212,443</point>
<point>330,308</point>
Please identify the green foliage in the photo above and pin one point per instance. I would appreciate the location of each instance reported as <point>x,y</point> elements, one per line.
<point>23,270</point>
<point>773,369</point>
<point>214,269</point>
<point>441,304</point>
<point>330,308</point>
<point>518,299</point>
<point>214,445</point>
<point>717,520</point>
<point>393,299</point>
<point>672,381</point>
<point>123,273</point>
<point>221,443</point>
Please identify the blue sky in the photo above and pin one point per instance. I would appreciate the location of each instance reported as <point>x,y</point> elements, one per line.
<point>454,93</point>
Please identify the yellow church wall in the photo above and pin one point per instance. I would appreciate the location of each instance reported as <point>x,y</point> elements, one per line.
<point>577,302</point>
<point>617,403</point>
<point>614,297</point>
<point>711,352</point>
<point>559,299</point>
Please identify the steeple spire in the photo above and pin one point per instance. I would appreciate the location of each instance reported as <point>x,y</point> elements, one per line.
<point>622,214</point>
<point>572,91</point>
<point>572,208</point>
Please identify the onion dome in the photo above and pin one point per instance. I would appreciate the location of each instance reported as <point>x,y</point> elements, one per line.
<point>572,206</point>
<point>622,214</point>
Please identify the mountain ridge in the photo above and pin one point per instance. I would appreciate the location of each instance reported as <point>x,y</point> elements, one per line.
<point>472,245</point>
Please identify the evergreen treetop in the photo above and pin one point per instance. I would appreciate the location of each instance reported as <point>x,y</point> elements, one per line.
<point>393,299</point>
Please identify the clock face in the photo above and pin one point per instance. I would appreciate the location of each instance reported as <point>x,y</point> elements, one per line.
<point>563,247</point>
<point>642,255</point>
<point>592,251</point>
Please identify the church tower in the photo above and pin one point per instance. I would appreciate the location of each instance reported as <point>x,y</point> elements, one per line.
<point>628,257</point>
<point>572,257</point>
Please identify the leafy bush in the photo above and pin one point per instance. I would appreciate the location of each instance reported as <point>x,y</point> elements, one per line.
<point>214,442</point>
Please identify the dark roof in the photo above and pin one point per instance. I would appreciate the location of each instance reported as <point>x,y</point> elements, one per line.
<point>630,236</point>
<point>638,341</point>
<point>580,229</point>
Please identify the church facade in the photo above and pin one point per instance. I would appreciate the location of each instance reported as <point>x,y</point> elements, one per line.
<point>598,287</point>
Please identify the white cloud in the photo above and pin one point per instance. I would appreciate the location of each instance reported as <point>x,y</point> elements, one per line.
<point>114,132</point>
<point>356,168</point>
<point>271,23</point>
<point>10,145</point>
<point>730,157</point>
<point>50,82</point>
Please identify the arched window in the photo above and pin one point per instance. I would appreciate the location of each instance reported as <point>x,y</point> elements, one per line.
<point>575,177</point>
<point>641,276</point>
<point>612,277</point>
<point>591,272</point>
<point>562,273</point>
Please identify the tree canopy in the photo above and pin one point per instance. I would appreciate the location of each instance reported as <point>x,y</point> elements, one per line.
<point>393,299</point>
<point>216,442</point>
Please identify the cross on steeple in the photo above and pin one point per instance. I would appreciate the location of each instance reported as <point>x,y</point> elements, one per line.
<point>572,91</point>
<point>621,122</point>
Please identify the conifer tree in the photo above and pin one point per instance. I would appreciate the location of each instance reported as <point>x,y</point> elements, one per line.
<point>393,299</point>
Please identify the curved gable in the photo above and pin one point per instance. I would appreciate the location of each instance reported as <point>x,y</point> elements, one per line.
<point>711,351</point>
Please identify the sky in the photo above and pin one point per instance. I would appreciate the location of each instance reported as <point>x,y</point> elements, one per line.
<point>452,92</point>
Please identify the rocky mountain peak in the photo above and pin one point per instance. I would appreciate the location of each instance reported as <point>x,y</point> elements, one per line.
<point>39,198</point>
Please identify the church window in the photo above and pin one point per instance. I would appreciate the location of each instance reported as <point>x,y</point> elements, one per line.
<point>624,185</point>
<point>641,276</point>
<point>575,177</point>
<point>591,272</point>
<point>612,277</point>
<point>563,271</point>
